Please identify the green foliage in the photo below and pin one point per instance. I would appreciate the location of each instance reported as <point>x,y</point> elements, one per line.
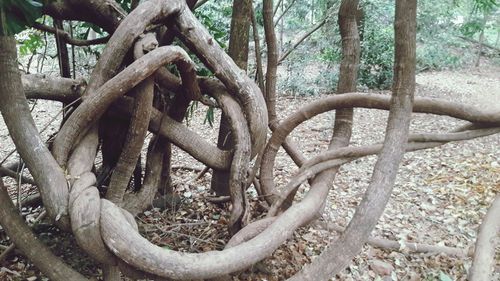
<point>435,57</point>
<point>216,17</point>
<point>30,45</point>
<point>377,56</point>
<point>331,54</point>
<point>126,4</point>
<point>209,117</point>
<point>484,6</point>
<point>472,27</point>
<point>17,15</point>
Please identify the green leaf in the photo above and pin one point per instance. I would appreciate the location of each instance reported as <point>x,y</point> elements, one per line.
<point>30,45</point>
<point>209,117</point>
<point>17,15</point>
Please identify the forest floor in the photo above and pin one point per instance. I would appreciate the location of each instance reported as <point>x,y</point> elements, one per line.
<point>440,196</point>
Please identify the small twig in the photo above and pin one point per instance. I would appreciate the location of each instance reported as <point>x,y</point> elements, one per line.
<point>199,4</point>
<point>316,27</point>
<point>12,246</point>
<point>7,251</point>
<point>195,169</point>
<point>165,232</point>
<point>68,38</point>
<point>219,199</point>
<point>45,127</point>
<point>400,246</point>
<point>19,182</point>
<point>202,173</point>
<point>284,12</point>
<point>9,173</point>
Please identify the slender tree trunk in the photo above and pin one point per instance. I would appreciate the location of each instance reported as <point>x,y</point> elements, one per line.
<point>238,51</point>
<point>480,41</point>
<point>282,25</point>
<point>272,61</point>
<point>258,57</point>
<point>62,51</point>
<point>342,128</point>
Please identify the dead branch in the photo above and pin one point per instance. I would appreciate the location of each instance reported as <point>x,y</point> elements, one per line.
<point>301,39</point>
<point>388,244</point>
<point>477,42</point>
<point>38,86</point>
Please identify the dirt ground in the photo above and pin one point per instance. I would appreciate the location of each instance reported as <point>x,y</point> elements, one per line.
<point>440,196</point>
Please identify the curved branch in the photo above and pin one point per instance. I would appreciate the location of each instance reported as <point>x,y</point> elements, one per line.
<point>335,158</point>
<point>195,36</point>
<point>95,105</point>
<point>6,172</point>
<point>330,262</point>
<point>143,101</point>
<point>16,113</point>
<point>183,137</point>
<point>421,105</point>
<point>27,242</point>
<point>484,254</point>
<point>241,158</point>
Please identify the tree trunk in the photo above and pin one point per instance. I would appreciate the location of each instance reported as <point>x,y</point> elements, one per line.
<point>238,51</point>
<point>62,51</point>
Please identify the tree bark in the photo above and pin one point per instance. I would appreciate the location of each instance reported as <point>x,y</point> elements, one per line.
<point>238,51</point>
<point>16,113</point>
<point>486,243</point>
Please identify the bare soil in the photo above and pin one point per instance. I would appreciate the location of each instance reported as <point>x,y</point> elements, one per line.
<point>440,195</point>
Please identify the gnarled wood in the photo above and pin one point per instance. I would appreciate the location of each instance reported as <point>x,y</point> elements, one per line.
<point>143,101</point>
<point>195,36</point>
<point>95,105</point>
